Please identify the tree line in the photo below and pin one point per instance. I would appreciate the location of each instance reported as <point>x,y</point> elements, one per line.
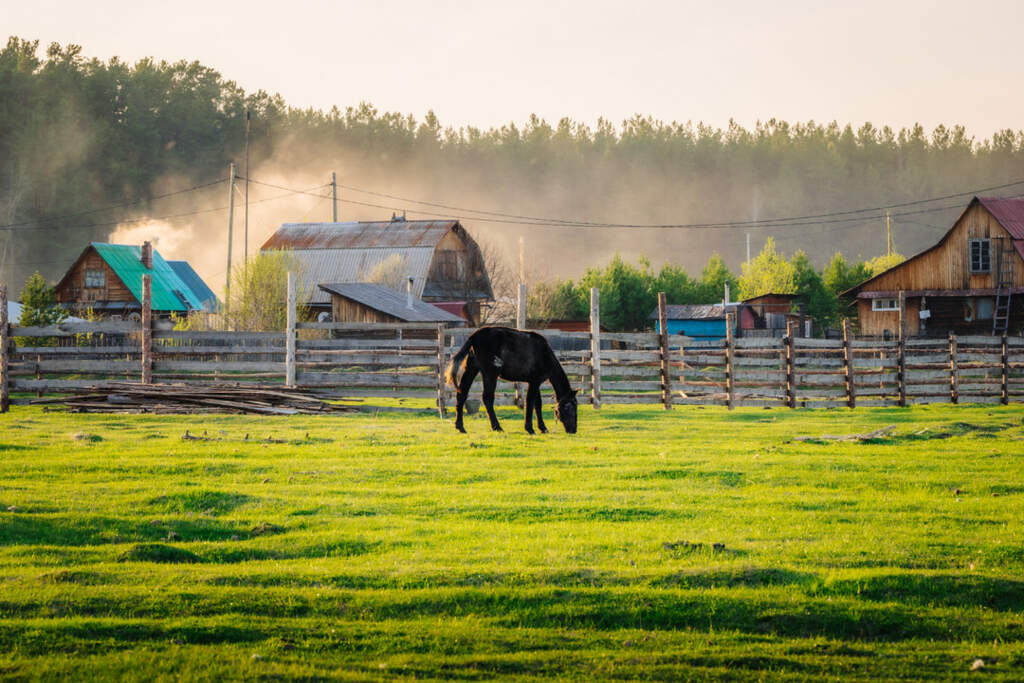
<point>78,134</point>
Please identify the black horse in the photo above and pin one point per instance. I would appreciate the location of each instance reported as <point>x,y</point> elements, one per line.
<point>518,357</point>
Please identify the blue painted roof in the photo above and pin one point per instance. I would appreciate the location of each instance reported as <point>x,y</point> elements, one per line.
<point>169,293</point>
<point>191,278</point>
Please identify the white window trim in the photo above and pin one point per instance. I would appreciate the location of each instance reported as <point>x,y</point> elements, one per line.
<point>876,304</point>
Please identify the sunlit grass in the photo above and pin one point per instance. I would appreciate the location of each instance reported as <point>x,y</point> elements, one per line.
<point>694,543</point>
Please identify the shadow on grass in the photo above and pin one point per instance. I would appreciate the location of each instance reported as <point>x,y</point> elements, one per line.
<point>67,530</point>
<point>96,636</point>
<point>939,590</point>
<point>210,502</point>
<point>542,513</point>
<point>231,554</point>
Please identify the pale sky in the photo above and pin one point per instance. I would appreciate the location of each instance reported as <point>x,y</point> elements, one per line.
<point>486,64</point>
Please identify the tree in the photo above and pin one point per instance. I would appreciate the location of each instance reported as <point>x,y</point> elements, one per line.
<point>818,301</point>
<point>839,276</point>
<point>259,293</point>
<point>627,295</point>
<point>555,300</point>
<point>882,263</point>
<point>39,303</point>
<point>713,279</point>
<point>767,273</point>
<point>392,272</point>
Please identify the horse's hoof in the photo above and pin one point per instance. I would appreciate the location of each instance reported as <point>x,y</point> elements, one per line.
<point>543,431</point>
<point>530,432</point>
<point>461,429</point>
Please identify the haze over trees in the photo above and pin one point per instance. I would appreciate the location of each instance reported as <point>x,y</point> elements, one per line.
<point>79,134</point>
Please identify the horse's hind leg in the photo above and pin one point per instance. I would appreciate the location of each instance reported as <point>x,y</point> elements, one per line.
<point>468,375</point>
<point>532,396</point>
<point>490,382</point>
<point>539,407</point>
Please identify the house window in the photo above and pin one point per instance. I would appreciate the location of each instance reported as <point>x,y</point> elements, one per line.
<point>981,261</point>
<point>885,305</point>
<point>95,278</point>
<point>979,308</point>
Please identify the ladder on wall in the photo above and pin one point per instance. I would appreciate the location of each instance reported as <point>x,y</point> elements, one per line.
<point>1001,314</point>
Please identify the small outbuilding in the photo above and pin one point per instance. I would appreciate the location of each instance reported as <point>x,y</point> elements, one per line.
<point>365,302</point>
<point>701,322</point>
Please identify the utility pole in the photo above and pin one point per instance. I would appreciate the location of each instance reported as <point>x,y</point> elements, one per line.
<point>522,261</point>
<point>231,228</point>
<point>246,186</point>
<point>748,247</point>
<point>888,233</point>
<point>334,195</point>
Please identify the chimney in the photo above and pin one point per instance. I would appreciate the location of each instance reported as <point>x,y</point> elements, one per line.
<point>408,290</point>
<point>147,255</point>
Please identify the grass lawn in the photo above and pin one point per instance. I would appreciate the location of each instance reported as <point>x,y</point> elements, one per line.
<point>390,547</point>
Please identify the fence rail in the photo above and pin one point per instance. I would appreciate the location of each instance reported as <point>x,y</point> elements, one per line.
<point>408,361</point>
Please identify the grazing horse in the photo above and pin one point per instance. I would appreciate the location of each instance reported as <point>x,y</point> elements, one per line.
<point>518,357</point>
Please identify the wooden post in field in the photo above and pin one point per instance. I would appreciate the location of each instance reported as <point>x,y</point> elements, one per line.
<point>1004,378</point>
<point>5,342</point>
<point>441,409</point>
<point>147,329</point>
<point>289,334</point>
<point>595,347</point>
<point>520,325</point>
<point>790,382</point>
<point>730,371</point>
<point>851,389</point>
<point>666,373</point>
<point>954,375</point>
<point>901,357</point>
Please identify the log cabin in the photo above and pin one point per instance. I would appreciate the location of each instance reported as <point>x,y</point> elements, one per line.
<point>443,260</point>
<point>107,279</point>
<point>970,282</point>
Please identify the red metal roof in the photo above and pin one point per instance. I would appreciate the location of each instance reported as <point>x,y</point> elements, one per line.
<point>388,234</point>
<point>1009,213</point>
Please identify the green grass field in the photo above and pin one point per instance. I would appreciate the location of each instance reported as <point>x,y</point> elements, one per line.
<point>390,547</point>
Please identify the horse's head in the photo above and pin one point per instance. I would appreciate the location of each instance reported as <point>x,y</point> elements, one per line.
<point>565,411</point>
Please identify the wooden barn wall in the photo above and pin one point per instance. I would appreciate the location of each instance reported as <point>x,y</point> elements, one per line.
<point>348,311</point>
<point>876,323</point>
<point>74,290</point>
<point>948,265</point>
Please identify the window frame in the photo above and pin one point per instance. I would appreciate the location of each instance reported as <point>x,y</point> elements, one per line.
<point>893,306</point>
<point>984,260</point>
<point>94,272</point>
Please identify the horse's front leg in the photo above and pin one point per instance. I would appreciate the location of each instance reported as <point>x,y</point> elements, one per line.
<point>532,396</point>
<point>539,407</point>
<point>490,382</point>
<point>468,375</point>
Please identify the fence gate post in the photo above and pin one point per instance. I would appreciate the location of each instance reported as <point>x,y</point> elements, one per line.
<point>441,409</point>
<point>1004,379</point>
<point>954,375</point>
<point>901,357</point>
<point>289,334</point>
<point>790,385</point>
<point>666,374</point>
<point>851,389</point>
<point>147,329</point>
<point>520,325</point>
<point>5,397</point>
<point>595,347</point>
<point>730,343</point>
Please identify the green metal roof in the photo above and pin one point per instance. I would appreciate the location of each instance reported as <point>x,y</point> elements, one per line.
<point>125,261</point>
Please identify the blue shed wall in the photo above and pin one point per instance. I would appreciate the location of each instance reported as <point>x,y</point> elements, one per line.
<point>699,330</point>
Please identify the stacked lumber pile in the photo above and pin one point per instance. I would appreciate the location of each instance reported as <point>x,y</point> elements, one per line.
<point>124,397</point>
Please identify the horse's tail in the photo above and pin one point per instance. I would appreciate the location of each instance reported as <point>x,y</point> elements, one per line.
<point>456,363</point>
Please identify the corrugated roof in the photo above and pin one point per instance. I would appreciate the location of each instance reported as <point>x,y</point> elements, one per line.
<point>392,302</point>
<point>316,266</point>
<point>694,312</point>
<point>1009,213</point>
<point>169,293</point>
<point>195,283</point>
<point>368,235</point>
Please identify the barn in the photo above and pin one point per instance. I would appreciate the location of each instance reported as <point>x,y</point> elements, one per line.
<point>443,260</point>
<point>107,279</point>
<point>969,282</point>
<point>702,322</point>
<point>366,302</point>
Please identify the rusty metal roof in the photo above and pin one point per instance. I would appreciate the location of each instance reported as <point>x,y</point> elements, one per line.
<point>369,235</point>
<point>392,302</point>
<point>1009,213</point>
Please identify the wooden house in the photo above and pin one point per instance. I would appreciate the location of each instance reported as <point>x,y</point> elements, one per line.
<point>968,283</point>
<point>702,322</point>
<point>364,302</point>
<point>107,279</point>
<point>443,260</point>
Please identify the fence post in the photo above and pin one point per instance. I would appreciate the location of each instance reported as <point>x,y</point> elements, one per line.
<point>851,389</point>
<point>147,329</point>
<point>666,374</point>
<point>901,357</point>
<point>5,396</point>
<point>954,375</point>
<point>289,334</point>
<point>520,325</point>
<point>1004,379</point>
<point>441,408</point>
<point>790,385</point>
<point>595,347</point>
<point>730,380</point>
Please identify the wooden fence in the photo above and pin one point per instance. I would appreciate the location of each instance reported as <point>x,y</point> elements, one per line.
<point>408,361</point>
